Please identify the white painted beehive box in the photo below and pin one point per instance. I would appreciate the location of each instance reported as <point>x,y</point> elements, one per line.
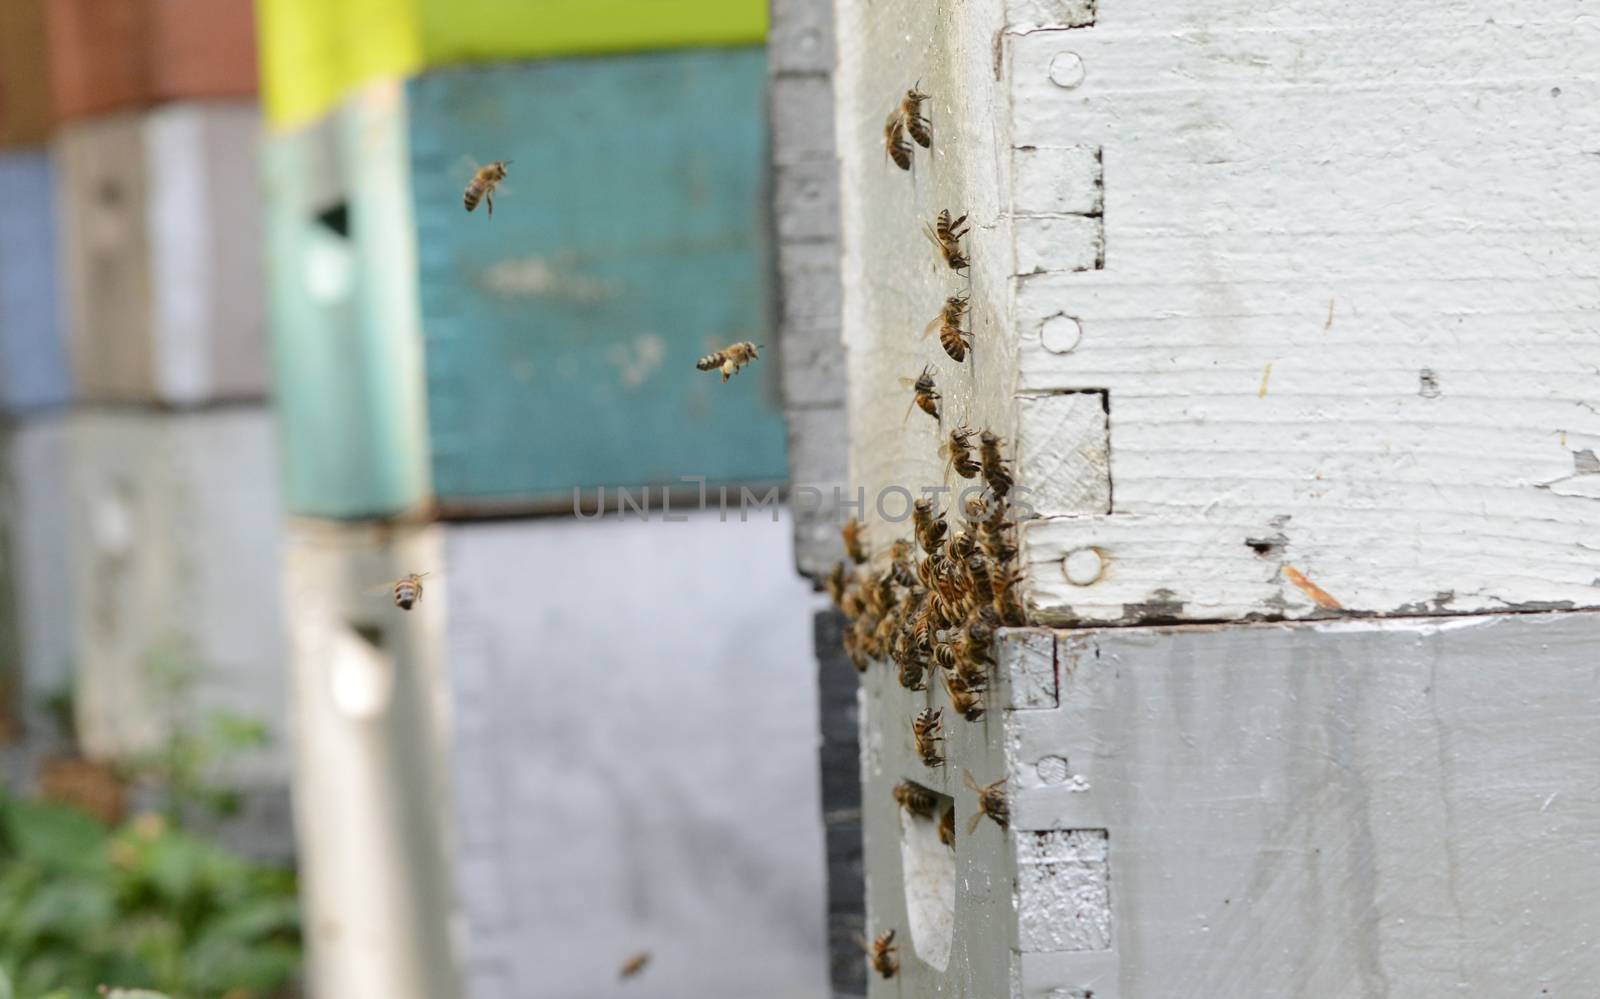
<point>1286,311</point>
<point>1288,308</point>
<point>161,251</point>
<point>174,553</point>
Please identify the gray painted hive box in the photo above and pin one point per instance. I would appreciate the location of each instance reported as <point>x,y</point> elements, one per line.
<point>34,372</point>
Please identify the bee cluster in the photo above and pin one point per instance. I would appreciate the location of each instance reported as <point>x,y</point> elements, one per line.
<point>937,610</point>
<point>933,602</point>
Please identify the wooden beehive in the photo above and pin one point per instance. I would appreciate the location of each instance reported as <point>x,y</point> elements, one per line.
<point>111,55</point>
<point>314,52</point>
<point>24,74</point>
<point>1282,317</point>
<point>175,558</point>
<point>160,230</point>
<point>34,372</point>
<point>558,339</point>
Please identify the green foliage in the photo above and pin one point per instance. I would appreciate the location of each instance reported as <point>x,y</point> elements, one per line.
<point>146,905</point>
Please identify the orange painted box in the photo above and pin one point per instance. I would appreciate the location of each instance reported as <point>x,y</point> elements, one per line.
<point>109,55</point>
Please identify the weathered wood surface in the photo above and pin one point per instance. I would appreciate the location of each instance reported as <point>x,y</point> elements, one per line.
<point>1335,276</point>
<point>1337,810</point>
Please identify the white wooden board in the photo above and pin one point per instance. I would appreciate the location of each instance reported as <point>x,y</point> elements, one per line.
<point>1335,273</point>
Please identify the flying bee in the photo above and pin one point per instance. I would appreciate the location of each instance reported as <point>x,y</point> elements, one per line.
<point>995,472</point>
<point>633,965</point>
<point>991,802</point>
<point>947,828</point>
<point>925,734</point>
<point>916,799</point>
<point>945,235</point>
<point>729,359</point>
<point>957,452</point>
<point>930,529</point>
<point>955,340</point>
<point>895,145</point>
<point>967,703</point>
<point>881,954</point>
<point>407,590</point>
<point>483,184</point>
<point>916,122</point>
<point>924,395</point>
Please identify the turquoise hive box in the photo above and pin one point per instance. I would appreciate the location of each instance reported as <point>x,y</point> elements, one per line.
<point>469,365</point>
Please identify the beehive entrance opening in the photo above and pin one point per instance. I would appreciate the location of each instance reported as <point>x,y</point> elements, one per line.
<point>928,869</point>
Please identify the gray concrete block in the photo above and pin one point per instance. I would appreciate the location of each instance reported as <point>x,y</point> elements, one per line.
<point>1338,810</point>
<point>806,200</point>
<point>800,36</point>
<point>809,273</point>
<point>817,472</point>
<point>802,119</point>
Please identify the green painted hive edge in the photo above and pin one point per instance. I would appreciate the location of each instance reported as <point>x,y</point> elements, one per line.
<point>452,34</point>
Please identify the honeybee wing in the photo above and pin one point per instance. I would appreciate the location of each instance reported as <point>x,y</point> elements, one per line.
<point>464,168</point>
<point>931,327</point>
<point>972,785</point>
<point>972,823</point>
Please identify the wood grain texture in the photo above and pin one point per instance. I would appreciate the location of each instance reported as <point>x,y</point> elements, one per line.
<point>1392,214</point>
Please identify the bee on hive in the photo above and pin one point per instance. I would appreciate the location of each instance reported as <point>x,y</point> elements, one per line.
<point>955,340</point>
<point>895,145</point>
<point>729,359</point>
<point>995,472</point>
<point>482,185</point>
<point>925,733</point>
<point>991,802</point>
<point>917,123</point>
<point>945,235</point>
<point>916,799</point>
<point>957,452</point>
<point>924,394</point>
<point>881,954</point>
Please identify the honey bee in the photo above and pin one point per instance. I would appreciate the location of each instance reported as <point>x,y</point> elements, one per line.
<point>955,340</point>
<point>835,584</point>
<point>982,579</point>
<point>407,590</point>
<point>967,702</point>
<point>924,395</point>
<point>633,965</point>
<point>957,452</point>
<point>947,828</point>
<point>482,186</point>
<point>853,545</point>
<point>895,145</point>
<point>1006,601</point>
<point>995,472</point>
<point>729,359</point>
<point>900,567</point>
<point>916,799</point>
<point>991,802</point>
<point>945,235</point>
<point>916,122</point>
<point>925,734</point>
<point>930,529</point>
<point>881,954</point>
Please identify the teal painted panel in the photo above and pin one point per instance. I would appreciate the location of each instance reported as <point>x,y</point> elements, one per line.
<point>561,335</point>
<point>347,354</point>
